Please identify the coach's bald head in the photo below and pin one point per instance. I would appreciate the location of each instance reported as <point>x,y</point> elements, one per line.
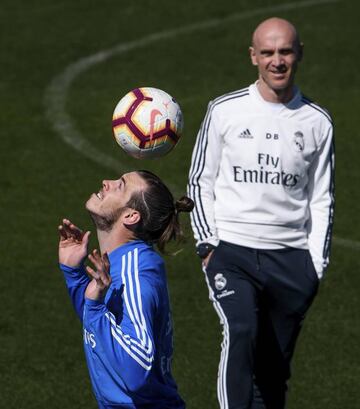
<point>276,50</point>
<point>274,28</point>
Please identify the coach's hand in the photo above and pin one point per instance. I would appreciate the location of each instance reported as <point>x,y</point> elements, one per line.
<point>101,278</point>
<point>73,244</point>
<point>206,260</point>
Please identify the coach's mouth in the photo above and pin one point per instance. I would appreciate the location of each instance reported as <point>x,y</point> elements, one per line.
<point>279,72</point>
<point>100,195</point>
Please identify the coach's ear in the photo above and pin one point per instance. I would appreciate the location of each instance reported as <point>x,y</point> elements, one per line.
<point>130,217</point>
<point>253,57</point>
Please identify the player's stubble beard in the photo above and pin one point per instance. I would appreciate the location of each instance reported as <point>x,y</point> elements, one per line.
<point>106,222</point>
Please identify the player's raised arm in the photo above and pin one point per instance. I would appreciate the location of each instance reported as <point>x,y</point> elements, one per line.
<point>72,252</point>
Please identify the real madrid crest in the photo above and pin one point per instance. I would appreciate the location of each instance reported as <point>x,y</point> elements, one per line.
<point>299,141</point>
<point>220,281</point>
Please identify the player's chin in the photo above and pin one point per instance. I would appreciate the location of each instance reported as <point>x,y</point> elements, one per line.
<point>90,204</point>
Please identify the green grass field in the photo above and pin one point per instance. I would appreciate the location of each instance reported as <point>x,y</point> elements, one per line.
<point>52,91</point>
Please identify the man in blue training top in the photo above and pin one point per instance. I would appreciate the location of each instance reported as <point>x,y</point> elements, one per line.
<point>124,305</point>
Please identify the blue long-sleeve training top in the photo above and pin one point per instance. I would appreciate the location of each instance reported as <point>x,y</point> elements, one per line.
<point>128,336</point>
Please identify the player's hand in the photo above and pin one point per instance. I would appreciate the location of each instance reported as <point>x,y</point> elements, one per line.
<point>206,260</point>
<point>73,244</point>
<point>101,279</point>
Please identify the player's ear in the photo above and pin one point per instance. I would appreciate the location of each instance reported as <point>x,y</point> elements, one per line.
<point>253,55</point>
<point>130,217</point>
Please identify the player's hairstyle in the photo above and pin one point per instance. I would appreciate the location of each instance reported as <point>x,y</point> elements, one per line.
<point>159,213</point>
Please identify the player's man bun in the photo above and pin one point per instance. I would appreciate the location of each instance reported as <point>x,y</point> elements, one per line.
<point>159,222</point>
<point>184,204</point>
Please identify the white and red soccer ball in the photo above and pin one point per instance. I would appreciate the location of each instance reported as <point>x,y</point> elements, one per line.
<point>147,123</point>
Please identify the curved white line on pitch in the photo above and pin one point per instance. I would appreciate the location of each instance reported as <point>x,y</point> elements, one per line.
<point>56,92</point>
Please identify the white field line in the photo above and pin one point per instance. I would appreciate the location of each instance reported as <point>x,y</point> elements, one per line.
<point>56,93</point>
<point>351,244</point>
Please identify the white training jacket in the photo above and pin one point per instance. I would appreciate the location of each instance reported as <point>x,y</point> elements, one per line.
<point>262,174</point>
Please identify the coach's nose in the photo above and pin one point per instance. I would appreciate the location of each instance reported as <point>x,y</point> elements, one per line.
<point>278,60</point>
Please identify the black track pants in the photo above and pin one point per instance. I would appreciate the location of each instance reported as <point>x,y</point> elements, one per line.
<point>261,297</point>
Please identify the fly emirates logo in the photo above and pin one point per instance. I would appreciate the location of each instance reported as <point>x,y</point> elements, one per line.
<point>268,171</point>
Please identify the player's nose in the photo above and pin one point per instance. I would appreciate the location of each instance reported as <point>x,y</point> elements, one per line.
<point>106,184</point>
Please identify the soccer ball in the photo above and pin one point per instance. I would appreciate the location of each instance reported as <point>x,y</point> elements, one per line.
<point>147,123</point>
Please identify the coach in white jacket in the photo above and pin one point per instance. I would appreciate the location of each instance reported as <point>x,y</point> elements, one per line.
<point>262,179</point>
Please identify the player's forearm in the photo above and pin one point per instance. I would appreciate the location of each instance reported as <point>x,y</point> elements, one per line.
<point>76,281</point>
